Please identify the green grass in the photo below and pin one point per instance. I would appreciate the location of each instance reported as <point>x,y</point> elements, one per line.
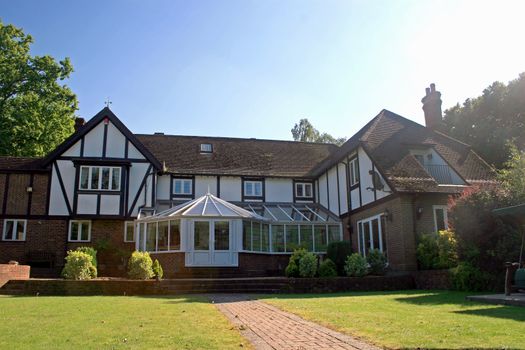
<point>114,323</point>
<point>413,319</point>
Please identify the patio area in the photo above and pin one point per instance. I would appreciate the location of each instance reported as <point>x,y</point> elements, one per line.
<point>515,299</point>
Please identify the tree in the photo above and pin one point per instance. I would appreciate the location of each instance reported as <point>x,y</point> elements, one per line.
<point>304,131</point>
<point>490,121</point>
<point>36,111</point>
<point>512,176</point>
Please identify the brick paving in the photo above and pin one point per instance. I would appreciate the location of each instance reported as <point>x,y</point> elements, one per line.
<point>267,327</point>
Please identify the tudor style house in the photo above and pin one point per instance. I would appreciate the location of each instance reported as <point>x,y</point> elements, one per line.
<point>231,206</point>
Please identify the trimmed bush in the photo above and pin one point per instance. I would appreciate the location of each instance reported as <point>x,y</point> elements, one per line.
<point>376,261</point>
<point>308,265</point>
<point>91,252</point>
<point>327,269</point>
<point>437,251</point>
<point>356,265</point>
<point>157,270</point>
<point>292,270</point>
<point>338,252</point>
<point>79,266</point>
<point>140,266</point>
<point>466,277</point>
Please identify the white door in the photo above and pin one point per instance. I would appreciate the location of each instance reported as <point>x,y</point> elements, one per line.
<point>211,244</point>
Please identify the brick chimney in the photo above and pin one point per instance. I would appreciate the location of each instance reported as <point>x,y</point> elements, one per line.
<point>432,107</point>
<point>79,122</point>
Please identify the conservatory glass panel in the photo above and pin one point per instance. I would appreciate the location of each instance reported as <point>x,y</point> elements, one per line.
<point>151,236</point>
<point>292,238</point>
<point>201,235</point>
<point>320,238</point>
<point>222,235</point>
<point>278,238</point>
<point>265,237</point>
<point>307,240</point>
<point>256,236</point>
<point>375,233</point>
<point>162,243</point>
<point>334,233</point>
<point>175,235</point>
<point>246,235</point>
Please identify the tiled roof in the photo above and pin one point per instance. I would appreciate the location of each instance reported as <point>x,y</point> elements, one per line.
<point>388,139</point>
<point>237,156</point>
<point>20,164</point>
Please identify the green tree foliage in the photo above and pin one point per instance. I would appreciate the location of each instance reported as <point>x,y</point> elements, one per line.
<point>356,265</point>
<point>376,261</point>
<point>338,252</point>
<point>490,121</point>
<point>140,266</point>
<point>327,269</point>
<point>157,270</point>
<point>79,266</point>
<point>437,251</point>
<point>512,177</point>
<point>305,131</point>
<point>36,110</point>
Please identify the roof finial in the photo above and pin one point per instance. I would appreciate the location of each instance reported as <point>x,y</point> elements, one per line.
<point>107,102</point>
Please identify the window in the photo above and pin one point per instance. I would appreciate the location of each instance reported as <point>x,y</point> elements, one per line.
<point>162,236</point>
<point>206,148</point>
<point>371,234</point>
<point>79,231</point>
<point>440,218</point>
<point>14,230</point>
<point>253,188</point>
<point>304,190</point>
<point>201,237</point>
<point>353,167</point>
<point>99,178</point>
<point>222,235</point>
<point>183,187</point>
<point>129,231</point>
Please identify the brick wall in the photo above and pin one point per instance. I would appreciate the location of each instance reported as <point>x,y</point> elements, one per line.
<point>13,272</point>
<point>402,227</point>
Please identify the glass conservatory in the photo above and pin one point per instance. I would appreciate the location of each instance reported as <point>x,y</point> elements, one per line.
<point>211,231</point>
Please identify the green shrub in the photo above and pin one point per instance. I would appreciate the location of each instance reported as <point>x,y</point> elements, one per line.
<point>356,265</point>
<point>157,270</point>
<point>79,266</point>
<point>308,265</point>
<point>338,252</point>
<point>327,269</point>
<point>376,261</point>
<point>140,266</point>
<point>292,270</point>
<point>466,277</point>
<point>91,252</point>
<point>437,251</point>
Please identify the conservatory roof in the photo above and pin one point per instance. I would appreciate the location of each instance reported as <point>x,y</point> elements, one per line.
<point>205,206</point>
<point>292,212</point>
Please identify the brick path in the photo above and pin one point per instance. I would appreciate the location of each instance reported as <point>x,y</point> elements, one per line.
<point>267,327</point>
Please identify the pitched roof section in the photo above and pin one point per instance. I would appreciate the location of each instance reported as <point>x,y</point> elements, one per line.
<point>93,122</point>
<point>388,139</point>
<point>20,164</point>
<point>236,156</point>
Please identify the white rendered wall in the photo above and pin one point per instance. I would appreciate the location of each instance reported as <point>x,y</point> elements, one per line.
<point>279,190</point>
<point>231,188</point>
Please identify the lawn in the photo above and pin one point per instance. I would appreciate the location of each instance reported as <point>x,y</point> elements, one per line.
<point>413,319</point>
<point>114,323</point>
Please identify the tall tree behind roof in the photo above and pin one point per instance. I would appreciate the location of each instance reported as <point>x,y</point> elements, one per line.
<point>304,131</point>
<point>490,121</point>
<point>36,109</point>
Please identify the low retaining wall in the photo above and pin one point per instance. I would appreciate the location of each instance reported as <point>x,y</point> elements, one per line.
<point>13,272</point>
<point>432,279</point>
<point>188,286</point>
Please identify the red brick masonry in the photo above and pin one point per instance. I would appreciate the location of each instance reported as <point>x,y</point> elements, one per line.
<point>13,272</point>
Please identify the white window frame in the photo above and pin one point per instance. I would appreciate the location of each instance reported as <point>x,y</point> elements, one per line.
<point>182,182</point>
<point>90,174</point>
<point>81,223</point>
<point>253,182</point>
<point>445,216</point>
<point>15,225</point>
<point>304,185</point>
<point>353,169</point>
<point>206,148</point>
<point>360,234</point>
<point>126,223</point>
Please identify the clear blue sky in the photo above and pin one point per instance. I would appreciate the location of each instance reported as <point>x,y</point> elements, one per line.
<point>254,68</point>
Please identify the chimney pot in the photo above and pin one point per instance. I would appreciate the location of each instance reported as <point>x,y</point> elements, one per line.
<point>427,91</point>
<point>432,87</point>
<point>79,122</point>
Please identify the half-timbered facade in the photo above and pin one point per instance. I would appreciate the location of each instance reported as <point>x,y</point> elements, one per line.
<point>229,206</point>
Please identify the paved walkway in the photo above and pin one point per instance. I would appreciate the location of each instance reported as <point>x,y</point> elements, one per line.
<point>267,327</point>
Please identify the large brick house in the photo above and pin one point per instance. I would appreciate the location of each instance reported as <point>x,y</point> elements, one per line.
<point>232,206</point>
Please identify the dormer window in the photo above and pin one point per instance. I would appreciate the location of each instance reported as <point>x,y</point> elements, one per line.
<point>206,148</point>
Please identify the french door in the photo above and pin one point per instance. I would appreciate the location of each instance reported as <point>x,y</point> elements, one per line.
<point>211,244</point>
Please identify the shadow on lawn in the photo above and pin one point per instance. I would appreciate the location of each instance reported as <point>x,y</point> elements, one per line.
<point>438,298</point>
<point>505,312</point>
